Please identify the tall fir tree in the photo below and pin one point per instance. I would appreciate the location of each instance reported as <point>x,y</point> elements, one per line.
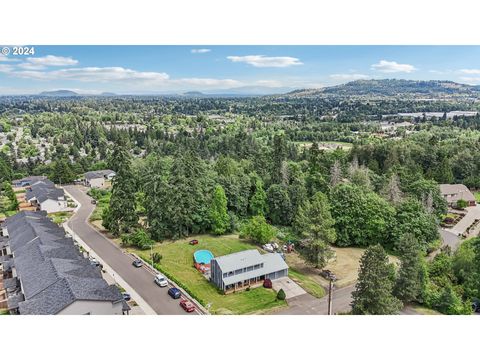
<point>411,278</point>
<point>121,215</point>
<point>218,215</point>
<point>373,294</point>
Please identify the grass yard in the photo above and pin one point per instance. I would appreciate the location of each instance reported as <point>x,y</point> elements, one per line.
<point>60,217</point>
<point>477,196</point>
<point>177,262</point>
<point>307,283</point>
<point>345,266</point>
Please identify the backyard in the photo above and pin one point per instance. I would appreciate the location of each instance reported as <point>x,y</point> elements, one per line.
<point>177,263</point>
<point>477,196</point>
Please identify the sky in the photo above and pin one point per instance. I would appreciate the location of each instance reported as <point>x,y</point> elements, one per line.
<point>176,69</point>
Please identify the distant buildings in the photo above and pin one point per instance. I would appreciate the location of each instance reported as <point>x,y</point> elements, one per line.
<point>96,179</point>
<point>454,192</point>
<point>43,273</point>
<point>244,269</point>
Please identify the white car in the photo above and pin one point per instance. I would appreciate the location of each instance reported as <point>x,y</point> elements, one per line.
<point>160,280</point>
<point>268,247</point>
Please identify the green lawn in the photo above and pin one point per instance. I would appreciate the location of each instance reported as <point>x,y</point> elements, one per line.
<point>103,199</point>
<point>60,217</point>
<point>477,196</point>
<point>177,263</point>
<point>307,283</point>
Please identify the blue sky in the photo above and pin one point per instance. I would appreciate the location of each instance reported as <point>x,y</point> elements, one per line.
<point>164,69</point>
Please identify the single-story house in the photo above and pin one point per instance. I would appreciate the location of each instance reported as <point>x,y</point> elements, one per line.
<point>96,179</point>
<point>454,192</point>
<point>245,269</point>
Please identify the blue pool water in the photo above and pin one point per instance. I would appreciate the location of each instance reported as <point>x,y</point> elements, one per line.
<point>203,257</point>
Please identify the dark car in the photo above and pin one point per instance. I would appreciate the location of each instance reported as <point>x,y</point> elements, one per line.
<point>193,242</point>
<point>174,293</point>
<point>137,263</point>
<point>187,306</point>
<point>267,283</point>
<point>476,305</point>
<point>93,201</point>
<point>126,296</point>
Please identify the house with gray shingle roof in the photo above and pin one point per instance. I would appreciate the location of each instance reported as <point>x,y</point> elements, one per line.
<point>244,269</point>
<point>43,272</point>
<point>46,197</point>
<point>96,179</point>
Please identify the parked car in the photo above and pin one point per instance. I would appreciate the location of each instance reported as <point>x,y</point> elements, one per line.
<point>476,305</point>
<point>126,296</point>
<point>174,293</point>
<point>193,242</point>
<point>94,202</point>
<point>267,283</point>
<point>160,280</point>
<point>187,305</point>
<point>137,263</point>
<point>268,247</point>
<point>95,262</point>
<point>275,246</point>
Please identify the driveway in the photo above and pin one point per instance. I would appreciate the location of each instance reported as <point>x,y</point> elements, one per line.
<point>449,238</point>
<point>307,304</point>
<point>291,288</point>
<point>473,213</point>
<point>139,279</point>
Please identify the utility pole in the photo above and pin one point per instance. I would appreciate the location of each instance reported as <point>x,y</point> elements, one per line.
<point>332,278</point>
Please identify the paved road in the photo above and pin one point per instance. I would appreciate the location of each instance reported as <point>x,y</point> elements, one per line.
<point>449,238</point>
<point>473,213</point>
<point>140,279</point>
<point>307,304</point>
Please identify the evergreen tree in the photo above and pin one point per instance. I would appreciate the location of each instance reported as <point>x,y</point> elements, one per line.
<point>121,215</point>
<point>258,202</point>
<point>411,278</point>
<point>279,205</point>
<point>219,218</point>
<point>321,231</point>
<point>373,294</point>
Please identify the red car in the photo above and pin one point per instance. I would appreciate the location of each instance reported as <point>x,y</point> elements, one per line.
<point>187,305</point>
<point>193,242</point>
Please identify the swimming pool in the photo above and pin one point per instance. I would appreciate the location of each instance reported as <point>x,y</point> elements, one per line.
<point>203,257</point>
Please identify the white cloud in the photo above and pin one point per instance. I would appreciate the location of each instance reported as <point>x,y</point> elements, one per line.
<point>52,60</point>
<point>266,61</point>
<point>200,51</point>
<point>470,80</point>
<point>269,83</point>
<point>392,67</point>
<point>470,71</point>
<point>4,58</point>
<point>6,68</point>
<point>349,77</point>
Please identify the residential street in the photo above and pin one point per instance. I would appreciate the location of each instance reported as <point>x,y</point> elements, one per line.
<point>140,279</point>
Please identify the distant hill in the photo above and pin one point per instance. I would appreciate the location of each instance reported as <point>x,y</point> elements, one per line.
<point>108,94</point>
<point>59,93</point>
<point>391,87</point>
<point>194,94</point>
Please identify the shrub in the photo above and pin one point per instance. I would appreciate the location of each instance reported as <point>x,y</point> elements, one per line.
<point>258,230</point>
<point>281,295</point>
<point>267,283</point>
<point>157,257</point>
<point>139,238</point>
<point>462,204</point>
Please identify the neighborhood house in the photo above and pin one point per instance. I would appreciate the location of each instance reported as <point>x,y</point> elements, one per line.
<point>42,272</point>
<point>454,192</point>
<point>96,179</point>
<point>245,269</point>
<point>46,197</point>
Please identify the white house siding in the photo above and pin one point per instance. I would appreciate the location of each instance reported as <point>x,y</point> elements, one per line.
<point>87,307</point>
<point>52,206</point>
<point>97,183</point>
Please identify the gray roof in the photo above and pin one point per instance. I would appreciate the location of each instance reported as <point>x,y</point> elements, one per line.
<point>42,192</point>
<point>30,180</point>
<point>455,192</point>
<point>50,268</point>
<point>239,260</point>
<point>271,263</point>
<point>98,174</point>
